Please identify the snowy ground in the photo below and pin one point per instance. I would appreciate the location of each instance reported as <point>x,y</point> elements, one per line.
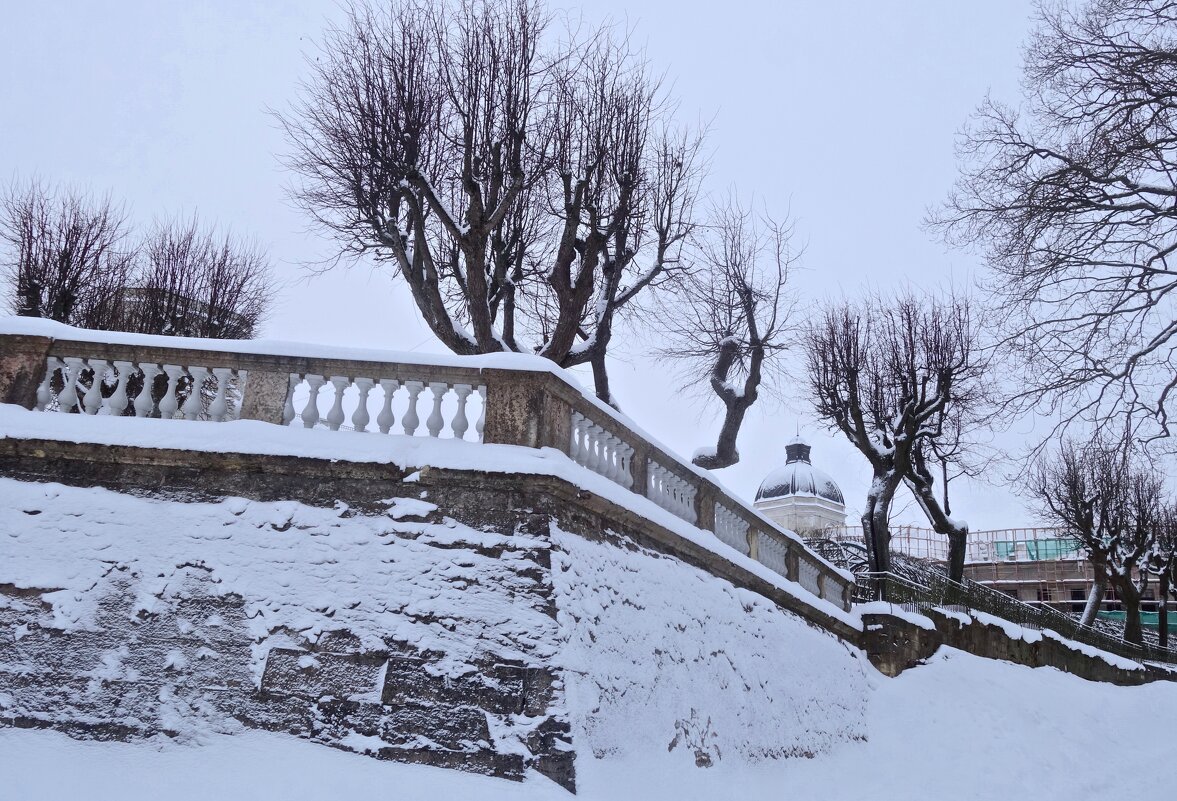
<point>960,727</point>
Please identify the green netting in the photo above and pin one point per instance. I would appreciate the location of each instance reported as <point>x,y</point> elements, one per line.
<point>1039,549</point>
<point>1147,619</point>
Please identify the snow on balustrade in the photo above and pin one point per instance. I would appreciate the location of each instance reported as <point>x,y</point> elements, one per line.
<point>731,528</point>
<point>671,492</point>
<point>593,447</point>
<point>98,386</point>
<point>355,402</point>
<point>773,552</point>
<point>809,575</point>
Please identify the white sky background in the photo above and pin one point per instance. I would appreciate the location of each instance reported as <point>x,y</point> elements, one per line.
<point>843,113</point>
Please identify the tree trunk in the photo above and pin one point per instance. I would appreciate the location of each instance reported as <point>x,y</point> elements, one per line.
<point>922,485</point>
<point>876,521</point>
<point>1095,597</point>
<point>1163,611</point>
<point>601,378</point>
<point>1133,632</point>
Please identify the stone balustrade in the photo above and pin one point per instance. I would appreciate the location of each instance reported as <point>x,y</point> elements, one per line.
<point>499,398</point>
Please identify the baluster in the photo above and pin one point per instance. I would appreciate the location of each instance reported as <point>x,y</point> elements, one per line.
<point>288,408</point>
<point>310,412</point>
<point>335,416</point>
<point>651,480</point>
<point>386,418</point>
<point>627,465</point>
<point>360,417</point>
<point>238,381</point>
<point>593,455</point>
<point>92,402</point>
<point>436,421</point>
<point>410,421</point>
<point>609,450</point>
<point>195,402</point>
<point>143,401</point>
<point>482,414</point>
<point>574,441</point>
<point>220,407</point>
<point>68,399</point>
<point>116,404</point>
<point>45,389</point>
<point>460,423</point>
<point>169,404</point>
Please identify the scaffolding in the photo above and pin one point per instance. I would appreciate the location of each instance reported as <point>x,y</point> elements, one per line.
<point>1036,565</point>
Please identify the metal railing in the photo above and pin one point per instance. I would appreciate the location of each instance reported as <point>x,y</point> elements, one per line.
<point>932,591</point>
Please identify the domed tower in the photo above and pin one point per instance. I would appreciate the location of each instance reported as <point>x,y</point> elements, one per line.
<point>800,497</point>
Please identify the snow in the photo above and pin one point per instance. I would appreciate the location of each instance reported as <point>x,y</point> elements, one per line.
<point>885,608</point>
<point>256,437</point>
<point>503,361</point>
<point>959,727</point>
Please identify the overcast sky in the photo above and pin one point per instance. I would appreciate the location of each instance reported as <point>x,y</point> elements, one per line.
<point>843,113</point>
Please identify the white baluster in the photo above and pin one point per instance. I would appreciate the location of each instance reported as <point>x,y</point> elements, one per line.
<point>68,399</point>
<point>169,404</point>
<point>386,418</point>
<point>335,416</point>
<point>627,466</point>
<point>219,406</point>
<point>482,415</point>
<point>614,458</point>
<point>195,402</point>
<point>310,412</point>
<point>574,438</point>
<point>116,404</point>
<point>45,389</point>
<point>288,407</point>
<point>360,417</point>
<point>596,455</point>
<point>436,421</point>
<point>92,401</point>
<point>143,402</point>
<point>239,380</point>
<point>608,454</point>
<point>460,423</point>
<point>410,421</point>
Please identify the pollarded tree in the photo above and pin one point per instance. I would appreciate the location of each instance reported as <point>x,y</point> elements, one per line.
<point>1114,508</point>
<point>526,184</point>
<point>1070,198</point>
<point>192,281</point>
<point>1162,562</point>
<point>890,374</point>
<point>67,256</point>
<point>726,322</point>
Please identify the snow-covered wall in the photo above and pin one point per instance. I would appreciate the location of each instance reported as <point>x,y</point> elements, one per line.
<point>660,655</point>
<point>419,633</point>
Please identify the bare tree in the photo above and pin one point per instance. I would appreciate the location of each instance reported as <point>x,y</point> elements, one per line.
<point>67,254</point>
<point>526,186</point>
<point>1113,508</point>
<point>1071,200</point>
<point>726,322</point>
<point>889,374</point>
<point>1162,563</point>
<point>192,281</point>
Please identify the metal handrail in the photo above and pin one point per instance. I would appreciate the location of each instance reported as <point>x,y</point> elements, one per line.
<point>938,591</point>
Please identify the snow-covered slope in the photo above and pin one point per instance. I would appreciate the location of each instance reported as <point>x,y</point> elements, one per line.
<point>410,634</point>
<point>961,727</point>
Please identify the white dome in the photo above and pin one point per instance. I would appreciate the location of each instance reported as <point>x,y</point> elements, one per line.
<point>798,477</point>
